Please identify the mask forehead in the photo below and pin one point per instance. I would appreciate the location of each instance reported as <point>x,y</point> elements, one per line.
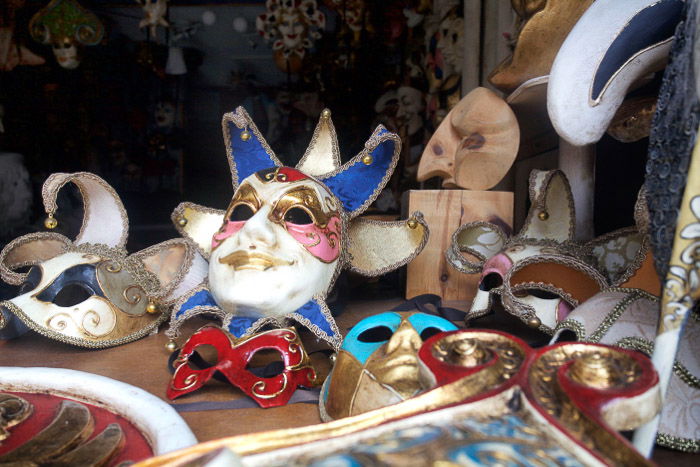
<point>272,185</point>
<point>53,267</point>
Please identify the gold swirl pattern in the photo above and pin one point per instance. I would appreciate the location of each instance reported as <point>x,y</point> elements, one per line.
<point>314,237</point>
<point>190,380</point>
<point>260,386</point>
<point>86,323</point>
<point>594,366</point>
<point>133,299</point>
<point>113,267</point>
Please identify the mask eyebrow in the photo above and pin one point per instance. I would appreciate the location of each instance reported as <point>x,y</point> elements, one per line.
<point>82,275</point>
<point>303,197</point>
<point>246,194</point>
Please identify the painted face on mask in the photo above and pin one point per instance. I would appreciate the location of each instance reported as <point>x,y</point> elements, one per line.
<point>67,54</point>
<point>278,246</point>
<point>378,363</point>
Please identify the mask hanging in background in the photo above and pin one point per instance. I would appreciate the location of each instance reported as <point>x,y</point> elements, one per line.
<point>292,26</point>
<point>154,12</point>
<point>68,27</point>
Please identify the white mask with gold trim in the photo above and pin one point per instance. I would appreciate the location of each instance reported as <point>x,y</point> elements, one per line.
<point>89,292</point>
<point>288,232</point>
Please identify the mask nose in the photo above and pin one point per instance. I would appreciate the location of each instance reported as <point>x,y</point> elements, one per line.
<point>404,339</point>
<point>10,325</point>
<point>258,230</point>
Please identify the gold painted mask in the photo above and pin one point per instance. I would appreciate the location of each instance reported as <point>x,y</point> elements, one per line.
<point>378,363</point>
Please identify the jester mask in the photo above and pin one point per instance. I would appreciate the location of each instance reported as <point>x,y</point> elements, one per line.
<point>90,292</point>
<point>277,249</point>
<point>541,273</point>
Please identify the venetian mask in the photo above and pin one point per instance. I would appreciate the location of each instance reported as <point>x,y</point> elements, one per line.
<point>165,114</point>
<point>67,26</point>
<point>284,228</point>
<point>233,359</point>
<point>291,26</point>
<point>540,274</point>
<point>450,41</point>
<point>627,315</point>
<point>89,292</point>
<point>277,249</point>
<point>627,42</point>
<point>541,27</point>
<point>67,54</point>
<point>378,363</point>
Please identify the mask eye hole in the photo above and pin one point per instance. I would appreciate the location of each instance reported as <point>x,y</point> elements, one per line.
<point>71,295</point>
<point>241,212</point>
<point>543,294</point>
<point>203,356</point>
<point>298,216</point>
<point>266,363</point>
<point>491,281</point>
<point>376,334</point>
<point>429,332</point>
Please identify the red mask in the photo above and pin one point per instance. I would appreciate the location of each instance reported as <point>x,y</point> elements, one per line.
<point>233,357</point>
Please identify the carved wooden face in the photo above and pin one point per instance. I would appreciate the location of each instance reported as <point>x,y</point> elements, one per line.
<point>279,244</point>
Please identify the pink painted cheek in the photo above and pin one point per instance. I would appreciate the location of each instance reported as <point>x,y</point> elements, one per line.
<point>324,244</point>
<point>499,264</point>
<point>230,228</point>
<point>563,310</point>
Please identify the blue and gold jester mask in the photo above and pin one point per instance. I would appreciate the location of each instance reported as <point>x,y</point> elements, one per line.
<point>378,363</point>
<point>277,249</point>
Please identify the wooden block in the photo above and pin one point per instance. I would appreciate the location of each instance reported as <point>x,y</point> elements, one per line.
<point>445,211</point>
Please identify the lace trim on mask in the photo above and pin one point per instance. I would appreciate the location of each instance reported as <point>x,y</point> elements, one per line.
<point>526,312</point>
<point>335,152</point>
<point>335,341</point>
<point>538,199</point>
<point>184,268</point>
<point>459,262</point>
<point>647,347</point>
<point>242,120</point>
<point>672,137</point>
<point>49,193</point>
<point>379,136</point>
<point>143,277</point>
<point>179,213</point>
<point>7,270</point>
<point>84,342</point>
<point>632,295</point>
<point>677,443</point>
<point>418,216</point>
<point>577,251</point>
<point>573,326</point>
<point>618,310</point>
